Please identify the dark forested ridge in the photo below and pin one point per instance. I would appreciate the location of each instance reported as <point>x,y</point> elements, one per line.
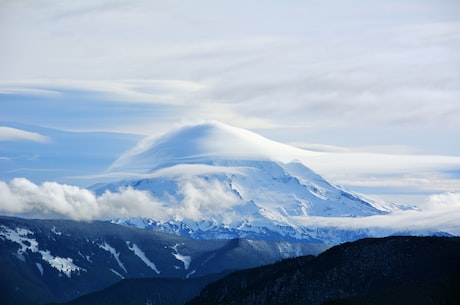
<point>392,270</point>
<point>164,291</point>
<point>44,261</point>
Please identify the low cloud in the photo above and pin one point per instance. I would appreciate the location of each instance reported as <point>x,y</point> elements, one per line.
<point>449,200</point>
<point>199,198</point>
<point>14,134</point>
<point>440,213</point>
<point>207,197</point>
<point>21,197</point>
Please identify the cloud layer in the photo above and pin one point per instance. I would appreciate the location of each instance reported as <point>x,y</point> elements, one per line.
<point>199,197</point>
<point>296,68</point>
<point>22,197</point>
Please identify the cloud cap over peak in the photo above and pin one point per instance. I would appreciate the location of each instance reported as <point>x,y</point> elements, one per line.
<point>203,142</point>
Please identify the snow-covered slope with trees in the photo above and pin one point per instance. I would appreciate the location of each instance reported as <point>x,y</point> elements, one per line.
<point>46,261</point>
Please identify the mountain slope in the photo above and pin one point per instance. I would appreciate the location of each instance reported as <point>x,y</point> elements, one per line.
<point>217,181</point>
<point>161,291</point>
<point>393,270</point>
<point>58,260</point>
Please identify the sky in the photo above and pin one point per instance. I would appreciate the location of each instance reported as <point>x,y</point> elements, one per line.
<point>375,84</point>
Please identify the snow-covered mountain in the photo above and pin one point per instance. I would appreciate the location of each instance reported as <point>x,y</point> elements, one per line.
<point>216,181</point>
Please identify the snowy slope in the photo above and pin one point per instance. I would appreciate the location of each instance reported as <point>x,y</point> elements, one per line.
<point>217,181</point>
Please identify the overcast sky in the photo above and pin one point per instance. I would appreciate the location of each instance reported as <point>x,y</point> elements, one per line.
<point>337,76</point>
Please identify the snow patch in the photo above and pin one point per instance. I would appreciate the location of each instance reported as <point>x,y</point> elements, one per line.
<point>118,274</point>
<point>114,253</point>
<point>40,268</point>
<point>139,253</point>
<point>287,250</point>
<point>20,236</point>
<point>186,260</point>
<point>53,229</point>
<point>86,257</point>
<point>62,264</point>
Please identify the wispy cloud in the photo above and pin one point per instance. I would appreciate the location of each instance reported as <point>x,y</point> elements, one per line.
<point>312,66</point>
<point>425,183</point>
<point>377,173</point>
<point>14,134</point>
<point>154,91</point>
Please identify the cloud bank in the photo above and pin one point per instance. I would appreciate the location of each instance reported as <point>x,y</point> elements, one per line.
<point>22,197</point>
<point>198,197</point>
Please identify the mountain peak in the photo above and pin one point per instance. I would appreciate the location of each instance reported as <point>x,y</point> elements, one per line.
<point>202,142</point>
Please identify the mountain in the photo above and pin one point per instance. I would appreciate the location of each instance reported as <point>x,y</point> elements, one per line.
<point>57,260</point>
<point>216,181</point>
<point>392,270</point>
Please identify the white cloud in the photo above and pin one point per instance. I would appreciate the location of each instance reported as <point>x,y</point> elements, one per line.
<point>7,89</point>
<point>449,200</point>
<point>382,149</point>
<point>205,197</point>
<point>429,182</point>
<point>378,165</point>
<point>440,214</point>
<point>53,200</point>
<point>21,197</point>
<point>154,91</point>
<point>14,134</point>
<point>310,65</point>
<point>130,203</point>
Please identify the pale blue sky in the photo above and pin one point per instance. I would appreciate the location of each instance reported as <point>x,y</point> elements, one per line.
<point>342,76</point>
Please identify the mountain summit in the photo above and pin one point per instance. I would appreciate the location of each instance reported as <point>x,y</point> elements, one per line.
<point>215,181</point>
